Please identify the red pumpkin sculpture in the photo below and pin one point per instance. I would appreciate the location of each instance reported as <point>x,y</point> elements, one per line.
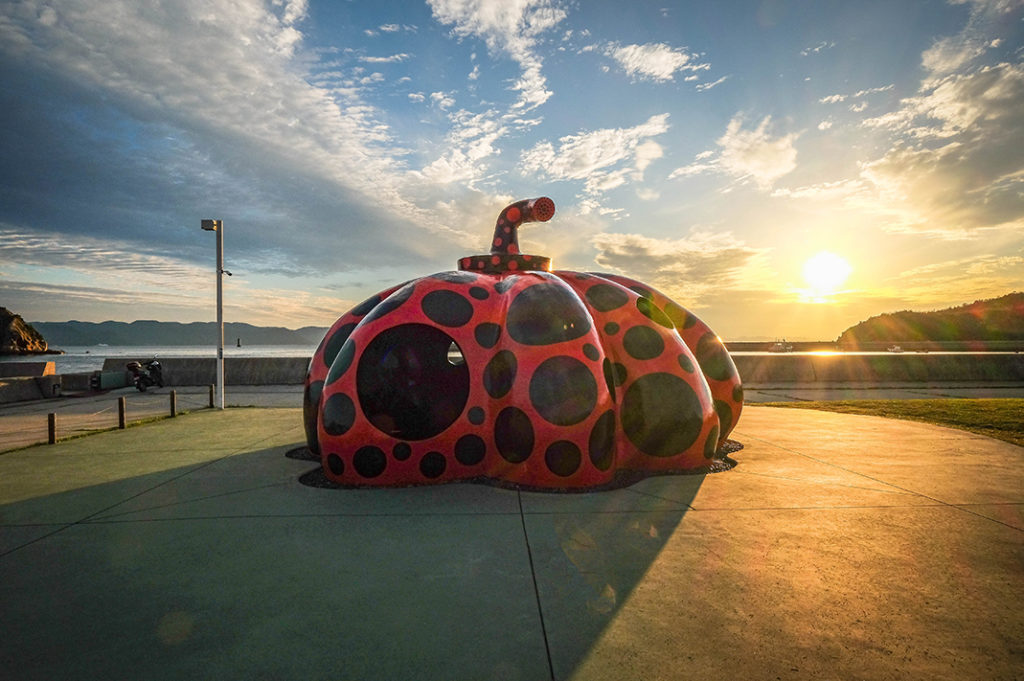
<point>507,371</point>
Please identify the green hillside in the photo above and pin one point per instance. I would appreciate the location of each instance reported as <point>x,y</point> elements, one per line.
<point>997,319</point>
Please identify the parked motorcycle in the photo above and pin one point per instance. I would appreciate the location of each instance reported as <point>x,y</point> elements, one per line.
<point>145,374</point>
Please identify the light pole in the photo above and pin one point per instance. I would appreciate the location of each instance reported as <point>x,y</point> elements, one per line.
<point>218,226</point>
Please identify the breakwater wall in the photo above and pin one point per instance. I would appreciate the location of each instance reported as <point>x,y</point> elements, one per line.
<point>892,368</point>
<point>237,370</point>
<point>754,369</point>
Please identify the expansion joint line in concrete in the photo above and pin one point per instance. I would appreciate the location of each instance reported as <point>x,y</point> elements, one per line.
<point>536,589</point>
<point>939,502</point>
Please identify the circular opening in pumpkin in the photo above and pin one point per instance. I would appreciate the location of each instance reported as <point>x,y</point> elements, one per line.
<point>407,384</point>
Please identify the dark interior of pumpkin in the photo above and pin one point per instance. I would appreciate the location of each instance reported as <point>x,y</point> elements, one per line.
<point>412,381</point>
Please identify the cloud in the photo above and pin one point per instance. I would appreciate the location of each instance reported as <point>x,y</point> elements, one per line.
<point>242,111</point>
<point>442,100</point>
<point>835,99</point>
<point>394,58</point>
<point>472,140</point>
<point>27,248</point>
<point>654,61</point>
<point>953,282</point>
<point>604,159</point>
<point>747,154</point>
<point>824,45</point>
<point>509,28</point>
<point>989,22</point>
<point>956,165</point>
<point>686,269</point>
<point>707,86</point>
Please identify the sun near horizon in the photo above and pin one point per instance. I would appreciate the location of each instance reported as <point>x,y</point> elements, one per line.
<point>825,273</point>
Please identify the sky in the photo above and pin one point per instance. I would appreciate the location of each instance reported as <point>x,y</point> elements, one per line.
<point>783,169</point>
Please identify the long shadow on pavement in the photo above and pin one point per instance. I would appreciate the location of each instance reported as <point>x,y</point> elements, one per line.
<point>231,569</point>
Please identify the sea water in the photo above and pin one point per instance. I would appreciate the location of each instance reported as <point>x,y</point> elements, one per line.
<point>79,359</point>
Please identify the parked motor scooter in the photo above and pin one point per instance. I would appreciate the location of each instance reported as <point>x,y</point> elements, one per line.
<point>145,374</point>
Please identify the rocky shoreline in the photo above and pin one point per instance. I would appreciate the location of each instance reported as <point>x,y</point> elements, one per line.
<point>17,337</point>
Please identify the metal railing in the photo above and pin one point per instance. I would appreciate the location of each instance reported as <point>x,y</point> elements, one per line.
<point>73,418</point>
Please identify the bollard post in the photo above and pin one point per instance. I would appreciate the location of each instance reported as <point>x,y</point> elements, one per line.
<point>211,396</point>
<point>122,408</point>
<point>174,404</point>
<point>51,428</point>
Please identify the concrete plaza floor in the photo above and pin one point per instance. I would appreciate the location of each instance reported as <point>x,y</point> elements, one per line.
<point>839,547</point>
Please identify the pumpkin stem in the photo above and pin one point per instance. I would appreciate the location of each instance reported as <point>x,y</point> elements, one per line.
<point>506,230</point>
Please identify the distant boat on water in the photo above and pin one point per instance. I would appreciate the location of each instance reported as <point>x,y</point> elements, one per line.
<point>781,346</point>
<point>894,348</point>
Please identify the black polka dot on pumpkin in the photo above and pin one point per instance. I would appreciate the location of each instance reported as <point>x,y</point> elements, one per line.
<point>653,312</point>
<point>447,308</point>
<point>685,363</point>
<point>737,393</point>
<point>433,464</point>
<point>642,292</point>
<point>401,451</point>
<point>393,302</point>
<point>620,372</point>
<point>513,435</point>
<point>487,334</point>
<point>546,313</point>
<point>601,445</point>
<point>611,328</point>
<point>681,318</point>
<point>479,292</point>
<point>609,376</point>
<point>311,395</point>
<point>724,412</point>
<point>310,412</point>
<point>336,341</point>
<point>335,464</point>
<point>643,342</point>
<point>476,416</point>
<point>339,414</point>
<point>365,306</point>
<point>606,297</point>
<point>711,444</point>
<point>661,414</point>
<point>369,461</point>
<point>562,458</point>
<point>455,277</point>
<point>470,450</point>
<point>505,284</point>
<point>591,352</point>
<point>563,390</point>
<point>713,358</point>
<point>342,362</point>
<point>500,374</point>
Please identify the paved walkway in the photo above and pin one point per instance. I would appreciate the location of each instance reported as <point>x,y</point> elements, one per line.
<point>840,547</point>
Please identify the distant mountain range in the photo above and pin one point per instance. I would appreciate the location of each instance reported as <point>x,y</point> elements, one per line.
<point>58,334</point>
<point>996,319</point>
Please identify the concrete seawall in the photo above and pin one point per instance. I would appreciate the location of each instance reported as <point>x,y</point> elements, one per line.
<point>908,367</point>
<point>237,370</point>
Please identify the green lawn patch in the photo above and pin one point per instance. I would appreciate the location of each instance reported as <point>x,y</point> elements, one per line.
<point>999,418</point>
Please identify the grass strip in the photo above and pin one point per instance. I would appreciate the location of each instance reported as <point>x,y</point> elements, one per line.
<point>999,418</point>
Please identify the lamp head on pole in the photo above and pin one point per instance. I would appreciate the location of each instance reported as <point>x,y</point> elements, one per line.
<point>211,225</point>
